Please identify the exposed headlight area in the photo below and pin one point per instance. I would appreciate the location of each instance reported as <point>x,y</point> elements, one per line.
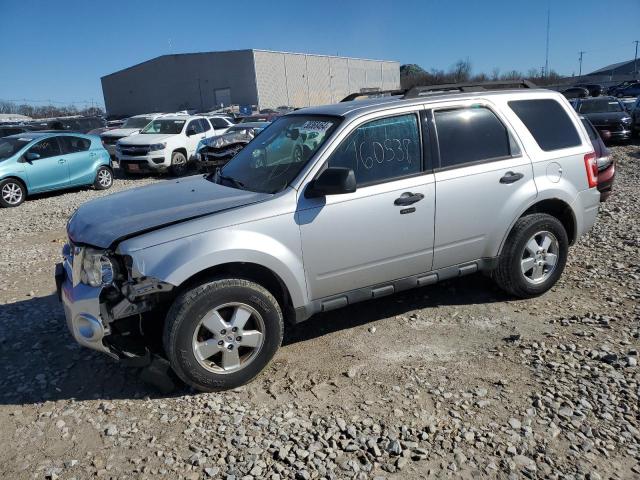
<point>157,146</point>
<point>95,267</point>
<point>626,120</point>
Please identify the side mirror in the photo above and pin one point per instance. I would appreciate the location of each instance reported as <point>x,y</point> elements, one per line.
<point>30,156</point>
<point>605,134</point>
<point>333,181</point>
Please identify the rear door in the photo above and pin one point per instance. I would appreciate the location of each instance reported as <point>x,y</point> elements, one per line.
<point>50,171</point>
<point>81,160</point>
<point>195,133</point>
<point>483,178</point>
<point>370,237</point>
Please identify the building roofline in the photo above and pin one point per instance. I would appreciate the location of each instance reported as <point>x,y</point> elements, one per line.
<point>241,50</point>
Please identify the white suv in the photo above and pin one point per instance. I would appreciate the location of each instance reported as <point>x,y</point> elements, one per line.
<point>131,126</point>
<point>167,143</point>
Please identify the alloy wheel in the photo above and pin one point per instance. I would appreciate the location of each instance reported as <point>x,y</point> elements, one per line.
<point>104,178</point>
<point>12,193</point>
<point>539,257</point>
<point>228,338</point>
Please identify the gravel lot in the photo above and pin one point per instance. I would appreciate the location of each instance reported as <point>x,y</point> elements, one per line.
<point>457,380</point>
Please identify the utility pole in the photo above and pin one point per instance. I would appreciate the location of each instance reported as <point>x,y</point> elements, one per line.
<point>635,60</point>
<point>581,53</point>
<point>546,59</point>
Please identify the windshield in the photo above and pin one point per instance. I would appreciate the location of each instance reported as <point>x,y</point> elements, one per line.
<point>170,127</point>
<point>136,122</point>
<point>600,106</point>
<point>10,146</point>
<point>274,158</point>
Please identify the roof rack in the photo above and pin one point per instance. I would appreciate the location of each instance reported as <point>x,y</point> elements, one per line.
<point>420,91</point>
<point>372,94</point>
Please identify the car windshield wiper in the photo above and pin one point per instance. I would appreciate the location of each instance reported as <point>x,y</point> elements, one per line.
<point>235,183</point>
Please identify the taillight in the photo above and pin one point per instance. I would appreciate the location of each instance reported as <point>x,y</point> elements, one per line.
<point>591,165</point>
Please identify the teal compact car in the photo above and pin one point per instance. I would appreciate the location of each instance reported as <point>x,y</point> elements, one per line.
<point>35,162</point>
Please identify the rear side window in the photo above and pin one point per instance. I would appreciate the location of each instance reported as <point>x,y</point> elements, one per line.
<point>205,125</point>
<point>548,122</point>
<point>468,135</point>
<point>74,144</point>
<point>381,150</point>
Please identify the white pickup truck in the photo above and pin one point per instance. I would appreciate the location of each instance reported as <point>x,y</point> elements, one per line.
<point>168,142</point>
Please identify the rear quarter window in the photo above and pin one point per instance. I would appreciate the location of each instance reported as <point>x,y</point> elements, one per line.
<point>548,122</point>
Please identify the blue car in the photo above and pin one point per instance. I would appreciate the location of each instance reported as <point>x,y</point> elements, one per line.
<point>34,162</point>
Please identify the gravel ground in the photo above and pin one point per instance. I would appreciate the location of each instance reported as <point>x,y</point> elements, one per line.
<point>457,380</point>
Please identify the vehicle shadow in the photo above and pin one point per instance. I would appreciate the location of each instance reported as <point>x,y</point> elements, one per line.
<point>41,362</point>
<point>471,290</point>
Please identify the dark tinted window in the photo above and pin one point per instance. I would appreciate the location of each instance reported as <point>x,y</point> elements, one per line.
<point>467,135</point>
<point>381,150</point>
<point>205,125</point>
<point>46,148</point>
<point>548,122</point>
<point>194,125</point>
<point>74,144</point>
<point>218,123</point>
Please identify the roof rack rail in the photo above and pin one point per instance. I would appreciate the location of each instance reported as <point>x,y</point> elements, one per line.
<point>372,94</point>
<point>419,91</point>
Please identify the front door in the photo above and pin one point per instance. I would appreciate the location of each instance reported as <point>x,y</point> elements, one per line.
<point>195,133</point>
<point>482,181</point>
<point>368,237</point>
<point>50,170</point>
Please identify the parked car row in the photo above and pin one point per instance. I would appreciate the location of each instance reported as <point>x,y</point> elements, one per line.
<point>630,88</point>
<point>608,115</point>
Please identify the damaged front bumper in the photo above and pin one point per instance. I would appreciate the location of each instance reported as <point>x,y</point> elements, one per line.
<point>92,313</point>
<point>82,310</point>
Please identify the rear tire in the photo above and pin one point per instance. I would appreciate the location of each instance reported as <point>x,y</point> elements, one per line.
<point>178,164</point>
<point>533,257</point>
<point>12,192</point>
<point>104,178</point>
<point>199,338</point>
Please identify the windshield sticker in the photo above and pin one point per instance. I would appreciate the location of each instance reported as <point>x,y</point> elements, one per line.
<point>316,125</point>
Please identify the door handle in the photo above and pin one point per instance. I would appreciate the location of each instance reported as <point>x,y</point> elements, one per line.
<point>61,161</point>
<point>408,198</point>
<point>511,177</point>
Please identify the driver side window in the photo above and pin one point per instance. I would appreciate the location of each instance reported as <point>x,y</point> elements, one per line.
<point>381,150</point>
<point>46,148</point>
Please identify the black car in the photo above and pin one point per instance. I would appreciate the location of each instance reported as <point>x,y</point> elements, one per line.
<point>6,130</point>
<point>629,91</point>
<point>614,89</point>
<point>606,114</point>
<point>594,89</point>
<point>575,92</point>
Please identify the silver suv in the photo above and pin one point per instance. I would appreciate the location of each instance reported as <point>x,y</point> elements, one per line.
<point>327,207</point>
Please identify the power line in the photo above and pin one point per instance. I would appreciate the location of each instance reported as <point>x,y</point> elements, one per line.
<point>546,59</point>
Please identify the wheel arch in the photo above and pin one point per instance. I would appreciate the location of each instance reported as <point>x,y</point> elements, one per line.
<point>260,274</point>
<point>19,179</point>
<point>182,150</point>
<point>555,207</point>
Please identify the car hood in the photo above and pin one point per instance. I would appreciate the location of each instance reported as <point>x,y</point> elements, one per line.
<point>106,220</point>
<point>120,132</point>
<point>146,139</point>
<point>605,118</point>
<point>243,136</point>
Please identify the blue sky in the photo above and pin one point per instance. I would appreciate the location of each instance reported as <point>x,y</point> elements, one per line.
<point>58,50</point>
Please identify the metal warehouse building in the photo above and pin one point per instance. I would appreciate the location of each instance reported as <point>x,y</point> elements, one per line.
<point>204,81</point>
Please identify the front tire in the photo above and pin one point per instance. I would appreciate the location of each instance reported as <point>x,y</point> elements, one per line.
<point>220,334</point>
<point>534,256</point>
<point>12,192</point>
<point>178,164</point>
<point>104,179</point>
